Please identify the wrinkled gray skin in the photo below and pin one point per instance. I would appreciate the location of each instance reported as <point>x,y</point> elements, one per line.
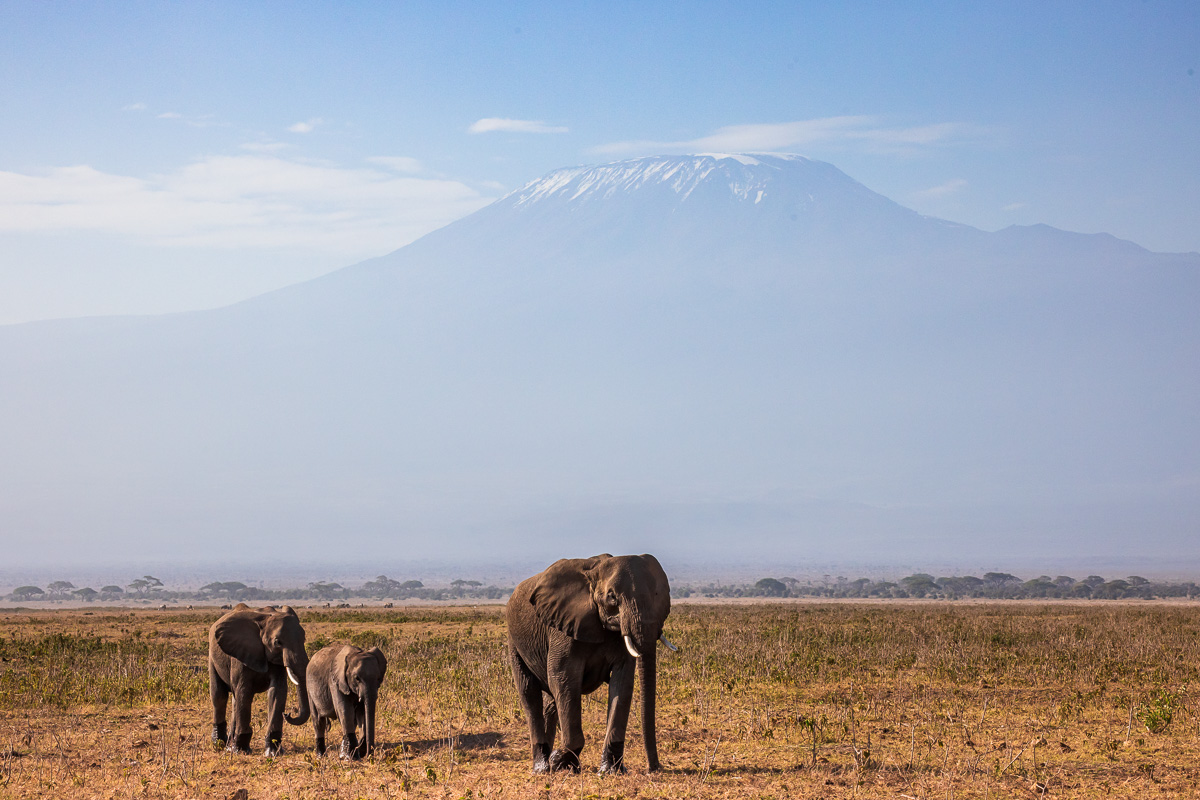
<point>343,682</point>
<point>565,635</point>
<point>251,651</point>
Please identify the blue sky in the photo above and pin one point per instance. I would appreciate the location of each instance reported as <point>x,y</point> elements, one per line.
<point>169,156</point>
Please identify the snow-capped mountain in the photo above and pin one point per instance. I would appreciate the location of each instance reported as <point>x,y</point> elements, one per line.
<point>724,355</point>
<point>746,178</point>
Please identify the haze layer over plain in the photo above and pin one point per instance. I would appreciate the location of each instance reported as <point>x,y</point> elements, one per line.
<point>723,356</point>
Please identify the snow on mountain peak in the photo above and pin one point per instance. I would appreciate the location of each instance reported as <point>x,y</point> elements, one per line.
<point>746,176</point>
<point>741,158</point>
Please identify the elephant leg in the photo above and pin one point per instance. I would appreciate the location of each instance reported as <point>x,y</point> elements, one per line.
<point>320,725</point>
<point>360,721</point>
<point>620,697</point>
<point>219,690</point>
<point>550,715</point>
<point>276,702</point>
<point>243,698</point>
<point>347,714</point>
<point>530,693</point>
<point>566,684</point>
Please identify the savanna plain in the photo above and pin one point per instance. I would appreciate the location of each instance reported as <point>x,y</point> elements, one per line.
<point>764,700</point>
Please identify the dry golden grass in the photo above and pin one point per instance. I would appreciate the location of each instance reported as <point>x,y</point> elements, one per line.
<point>934,700</point>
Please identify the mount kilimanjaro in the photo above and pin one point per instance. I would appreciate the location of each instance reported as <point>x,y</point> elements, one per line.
<point>709,357</point>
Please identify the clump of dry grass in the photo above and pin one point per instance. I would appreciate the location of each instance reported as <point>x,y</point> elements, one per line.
<point>831,700</point>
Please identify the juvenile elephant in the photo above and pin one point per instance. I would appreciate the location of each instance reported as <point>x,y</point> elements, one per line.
<point>343,681</point>
<point>252,651</point>
<point>578,624</point>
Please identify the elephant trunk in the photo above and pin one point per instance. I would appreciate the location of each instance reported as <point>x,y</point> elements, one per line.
<point>369,697</point>
<point>297,668</point>
<point>647,677</point>
<point>641,636</point>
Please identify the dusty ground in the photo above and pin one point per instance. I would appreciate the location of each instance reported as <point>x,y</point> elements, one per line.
<point>926,700</point>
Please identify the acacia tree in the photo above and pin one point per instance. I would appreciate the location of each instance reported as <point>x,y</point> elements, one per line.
<point>381,587</point>
<point>143,585</point>
<point>920,584</point>
<point>27,593</point>
<point>326,591</point>
<point>58,588</point>
<point>771,587</point>
<point>227,588</point>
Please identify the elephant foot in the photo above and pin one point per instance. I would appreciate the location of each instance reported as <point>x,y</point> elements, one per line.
<point>612,761</point>
<point>361,750</point>
<point>272,749</point>
<point>239,744</point>
<point>541,758</point>
<point>349,751</point>
<point>321,746</point>
<point>220,735</point>
<point>564,760</point>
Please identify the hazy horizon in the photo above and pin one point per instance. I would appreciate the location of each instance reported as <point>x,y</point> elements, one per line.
<point>885,288</point>
<point>750,356</point>
<point>440,573</point>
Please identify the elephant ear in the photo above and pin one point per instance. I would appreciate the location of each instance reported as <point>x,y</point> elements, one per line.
<point>662,595</point>
<point>562,598</point>
<point>378,655</point>
<point>341,668</point>
<point>239,636</point>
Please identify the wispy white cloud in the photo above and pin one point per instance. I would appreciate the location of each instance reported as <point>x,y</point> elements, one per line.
<point>264,147</point>
<point>953,186</point>
<point>398,163</point>
<point>308,126</point>
<point>1013,207</point>
<point>495,124</point>
<point>199,121</point>
<point>860,132</point>
<point>246,201</point>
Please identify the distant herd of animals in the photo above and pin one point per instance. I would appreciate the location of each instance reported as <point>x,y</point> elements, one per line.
<point>578,624</point>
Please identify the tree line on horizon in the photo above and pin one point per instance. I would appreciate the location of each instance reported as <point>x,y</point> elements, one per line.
<point>993,585</point>
<point>149,588</point>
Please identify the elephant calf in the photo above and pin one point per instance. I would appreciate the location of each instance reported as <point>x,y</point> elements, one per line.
<point>579,624</point>
<point>343,681</point>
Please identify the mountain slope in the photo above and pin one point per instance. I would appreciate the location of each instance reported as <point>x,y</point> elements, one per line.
<point>738,354</point>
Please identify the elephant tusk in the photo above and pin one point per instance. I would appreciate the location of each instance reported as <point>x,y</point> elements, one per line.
<point>292,677</point>
<point>663,638</point>
<point>633,651</point>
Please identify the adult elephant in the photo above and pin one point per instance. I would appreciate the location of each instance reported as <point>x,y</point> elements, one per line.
<point>580,623</point>
<point>252,651</point>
